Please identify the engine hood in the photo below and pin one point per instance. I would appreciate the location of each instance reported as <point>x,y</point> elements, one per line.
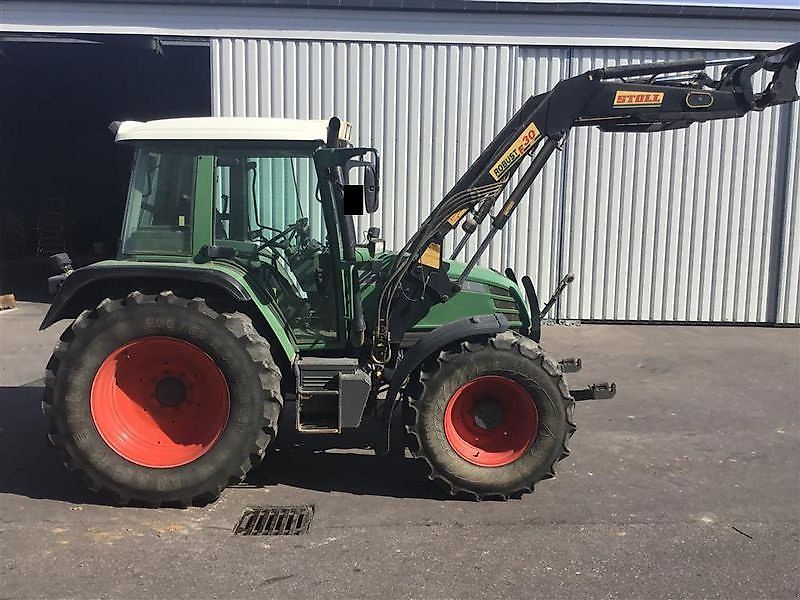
<point>485,292</point>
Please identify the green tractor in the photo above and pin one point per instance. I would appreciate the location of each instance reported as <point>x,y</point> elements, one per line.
<point>241,284</point>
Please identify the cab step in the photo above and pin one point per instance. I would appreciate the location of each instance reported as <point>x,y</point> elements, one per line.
<point>331,394</point>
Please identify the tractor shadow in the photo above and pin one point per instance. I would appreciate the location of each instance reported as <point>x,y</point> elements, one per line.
<point>342,463</point>
<point>328,463</point>
<point>28,466</point>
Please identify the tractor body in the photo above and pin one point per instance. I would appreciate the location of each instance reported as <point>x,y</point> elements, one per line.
<point>242,283</point>
<point>252,226</point>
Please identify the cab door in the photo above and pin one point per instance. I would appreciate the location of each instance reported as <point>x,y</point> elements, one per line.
<point>266,209</point>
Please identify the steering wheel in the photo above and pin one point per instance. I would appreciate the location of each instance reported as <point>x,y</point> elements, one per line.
<point>283,238</point>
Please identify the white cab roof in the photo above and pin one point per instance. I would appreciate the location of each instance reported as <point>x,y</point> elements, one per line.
<point>228,128</point>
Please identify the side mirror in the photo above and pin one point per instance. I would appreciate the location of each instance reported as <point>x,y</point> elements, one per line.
<point>371,188</point>
<point>371,176</point>
<point>362,196</point>
<point>368,191</point>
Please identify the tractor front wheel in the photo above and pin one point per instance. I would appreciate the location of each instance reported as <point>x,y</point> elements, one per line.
<point>490,418</point>
<point>162,400</point>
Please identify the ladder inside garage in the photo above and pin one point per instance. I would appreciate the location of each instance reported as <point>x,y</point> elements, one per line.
<point>50,228</point>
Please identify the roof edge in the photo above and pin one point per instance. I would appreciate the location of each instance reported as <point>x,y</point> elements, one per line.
<point>227,129</point>
<point>506,7</point>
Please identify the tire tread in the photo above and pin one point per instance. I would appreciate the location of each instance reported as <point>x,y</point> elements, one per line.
<point>508,341</point>
<point>239,325</point>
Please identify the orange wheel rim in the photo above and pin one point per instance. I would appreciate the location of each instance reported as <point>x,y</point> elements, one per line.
<point>159,402</point>
<point>491,421</point>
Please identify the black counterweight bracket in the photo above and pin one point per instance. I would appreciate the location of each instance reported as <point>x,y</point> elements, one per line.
<point>596,391</point>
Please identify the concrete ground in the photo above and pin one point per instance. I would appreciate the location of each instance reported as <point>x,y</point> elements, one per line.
<point>686,485</point>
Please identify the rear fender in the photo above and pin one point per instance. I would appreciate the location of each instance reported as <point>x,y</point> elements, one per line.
<point>84,289</point>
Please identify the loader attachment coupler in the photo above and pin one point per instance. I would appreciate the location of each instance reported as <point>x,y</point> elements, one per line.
<point>736,75</point>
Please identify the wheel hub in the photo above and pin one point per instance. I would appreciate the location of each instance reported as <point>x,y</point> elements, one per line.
<point>171,391</point>
<point>488,414</point>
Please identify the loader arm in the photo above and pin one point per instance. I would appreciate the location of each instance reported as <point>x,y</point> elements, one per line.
<point>640,98</point>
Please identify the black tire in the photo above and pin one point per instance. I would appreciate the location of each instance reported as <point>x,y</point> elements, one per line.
<point>230,340</point>
<point>509,355</point>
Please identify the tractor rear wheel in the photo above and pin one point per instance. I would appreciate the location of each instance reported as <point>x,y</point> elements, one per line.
<point>162,400</point>
<point>491,418</point>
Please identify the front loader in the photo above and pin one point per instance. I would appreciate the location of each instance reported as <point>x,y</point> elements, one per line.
<point>241,283</point>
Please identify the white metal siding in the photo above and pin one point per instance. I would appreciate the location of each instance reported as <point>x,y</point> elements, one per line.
<point>430,108</point>
<point>675,226</point>
<point>671,226</point>
<point>532,237</point>
<point>788,309</point>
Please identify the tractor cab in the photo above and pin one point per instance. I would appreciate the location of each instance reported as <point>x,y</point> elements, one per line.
<point>275,199</point>
<point>271,197</point>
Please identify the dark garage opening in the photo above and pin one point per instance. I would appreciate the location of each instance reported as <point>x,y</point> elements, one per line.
<point>59,166</point>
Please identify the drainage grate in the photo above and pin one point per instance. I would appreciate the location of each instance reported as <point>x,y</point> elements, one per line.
<point>275,520</point>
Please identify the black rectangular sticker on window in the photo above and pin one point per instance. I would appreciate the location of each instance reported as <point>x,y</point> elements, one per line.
<point>353,200</point>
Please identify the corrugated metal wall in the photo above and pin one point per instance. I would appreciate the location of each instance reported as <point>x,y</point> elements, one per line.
<point>788,301</point>
<point>677,226</point>
<point>672,226</point>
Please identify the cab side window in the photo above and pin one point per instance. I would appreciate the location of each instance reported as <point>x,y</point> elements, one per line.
<point>159,213</point>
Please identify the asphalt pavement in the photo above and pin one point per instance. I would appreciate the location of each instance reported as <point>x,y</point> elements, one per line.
<point>685,485</point>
